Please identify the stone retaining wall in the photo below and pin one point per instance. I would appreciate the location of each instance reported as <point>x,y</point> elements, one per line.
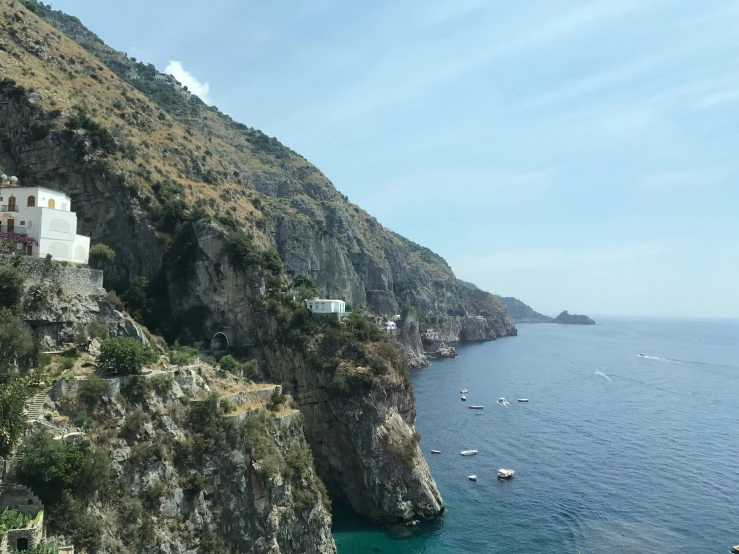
<point>71,279</point>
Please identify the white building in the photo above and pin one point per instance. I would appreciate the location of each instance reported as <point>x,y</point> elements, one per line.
<point>390,326</point>
<point>162,78</point>
<point>40,221</point>
<point>324,306</point>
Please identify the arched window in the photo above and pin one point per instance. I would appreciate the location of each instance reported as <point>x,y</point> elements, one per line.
<point>52,204</point>
<point>31,201</point>
<point>11,203</point>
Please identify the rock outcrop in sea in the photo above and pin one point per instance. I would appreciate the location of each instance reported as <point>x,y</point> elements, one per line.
<point>573,319</point>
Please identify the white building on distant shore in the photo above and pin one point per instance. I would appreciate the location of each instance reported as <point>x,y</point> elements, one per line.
<point>38,221</point>
<point>325,306</point>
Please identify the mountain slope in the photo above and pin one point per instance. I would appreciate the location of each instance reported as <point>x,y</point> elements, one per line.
<point>273,192</point>
<point>216,215</point>
<point>522,313</point>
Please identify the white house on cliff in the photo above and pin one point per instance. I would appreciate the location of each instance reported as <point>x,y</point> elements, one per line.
<point>38,221</point>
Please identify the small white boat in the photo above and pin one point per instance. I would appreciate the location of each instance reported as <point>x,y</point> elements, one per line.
<point>505,473</point>
<point>641,355</point>
<point>475,407</point>
<point>464,391</point>
<point>468,452</point>
<point>523,399</point>
<point>464,397</point>
<point>472,477</point>
<point>501,400</point>
<point>436,451</point>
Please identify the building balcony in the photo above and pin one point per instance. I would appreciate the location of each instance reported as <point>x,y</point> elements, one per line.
<point>12,229</point>
<point>9,208</point>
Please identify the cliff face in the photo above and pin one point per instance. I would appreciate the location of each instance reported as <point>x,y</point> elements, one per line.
<point>407,339</point>
<point>221,489</point>
<point>351,438</point>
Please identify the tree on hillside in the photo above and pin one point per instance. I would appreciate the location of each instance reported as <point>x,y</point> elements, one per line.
<point>125,356</point>
<point>11,287</point>
<point>305,287</point>
<point>139,302</point>
<point>100,255</point>
<point>12,418</point>
<point>15,343</point>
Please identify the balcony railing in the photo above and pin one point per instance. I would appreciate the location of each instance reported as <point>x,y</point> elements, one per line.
<point>14,229</point>
<point>9,208</point>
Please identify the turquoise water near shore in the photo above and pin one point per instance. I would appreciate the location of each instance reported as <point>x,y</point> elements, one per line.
<point>640,457</point>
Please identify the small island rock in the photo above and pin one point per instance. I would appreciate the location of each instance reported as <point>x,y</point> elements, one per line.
<point>573,319</point>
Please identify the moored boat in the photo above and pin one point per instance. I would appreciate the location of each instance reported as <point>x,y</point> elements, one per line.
<point>475,407</point>
<point>464,391</point>
<point>472,477</point>
<point>436,451</point>
<point>464,397</point>
<point>523,399</point>
<point>468,452</point>
<point>505,473</point>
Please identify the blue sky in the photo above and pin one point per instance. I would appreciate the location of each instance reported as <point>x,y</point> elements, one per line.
<point>579,155</point>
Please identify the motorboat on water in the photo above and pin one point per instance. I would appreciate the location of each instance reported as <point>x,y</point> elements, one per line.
<point>468,452</point>
<point>472,477</point>
<point>464,397</point>
<point>464,391</point>
<point>436,451</point>
<point>501,400</point>
<point>641,355</point>
<point>523,399</point>
<point>475,407</point>
<point>505,473</point>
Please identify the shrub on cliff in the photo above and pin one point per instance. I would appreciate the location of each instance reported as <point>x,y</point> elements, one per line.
<point>11,287</point>
<point>101,255</point>
<point>92,391</point>
<point>12,419</point>
<point>228,363</point>
<point>139,300</point>
<point>15,343</point>
<point>125,356</point>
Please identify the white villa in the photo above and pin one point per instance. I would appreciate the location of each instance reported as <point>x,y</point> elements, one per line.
<point>390,326</point>
<point>38,221</point>
<point>324,306</point>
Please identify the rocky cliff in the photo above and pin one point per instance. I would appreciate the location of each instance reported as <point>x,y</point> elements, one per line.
<point>165,180</point>
<point>192,479</point>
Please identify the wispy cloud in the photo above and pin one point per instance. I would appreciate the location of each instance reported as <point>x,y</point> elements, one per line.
<point>193,84</point>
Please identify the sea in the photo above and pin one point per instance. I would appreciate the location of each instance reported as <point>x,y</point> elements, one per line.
<point>613,453</point>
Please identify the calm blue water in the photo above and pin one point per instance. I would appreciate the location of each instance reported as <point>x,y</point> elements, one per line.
<point>651,451</point>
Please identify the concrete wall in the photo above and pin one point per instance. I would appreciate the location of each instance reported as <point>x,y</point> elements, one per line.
<point>70,278</point>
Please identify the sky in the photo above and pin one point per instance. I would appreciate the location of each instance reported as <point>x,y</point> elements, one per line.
<point>579,155</point>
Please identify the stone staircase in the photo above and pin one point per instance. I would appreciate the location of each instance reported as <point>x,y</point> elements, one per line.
<point>35,404</point>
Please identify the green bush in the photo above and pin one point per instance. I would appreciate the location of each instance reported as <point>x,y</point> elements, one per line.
<point>83,421</point>
<point>101,255</point>
<point>250,369</point>
<point>11,287</point>
<point>116,302</point>
<point>67,362</point>
<point>228,363</point>
<point>13,396</point>
<point>132,424</point>
<point>227,406</point>
<point>12,519</point>
<point>15,343</point>
<point>92,390</point>
<point>44,360</point>
<point>139,300</point>
<point>182,356</point>
<point>137,390</point>
<point>162,384</point>
<point>125,356</point>
<point>72,519</point>
<point>52,468</point>
<point>193,483</point>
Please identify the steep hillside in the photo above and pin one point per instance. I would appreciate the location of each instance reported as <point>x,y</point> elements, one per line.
<point>522,313</point>
<point>228,168</point>
<point>219,218</point>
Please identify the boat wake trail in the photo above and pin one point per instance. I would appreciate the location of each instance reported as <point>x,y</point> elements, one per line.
<point>688,362</point>
<point>603,374</point>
